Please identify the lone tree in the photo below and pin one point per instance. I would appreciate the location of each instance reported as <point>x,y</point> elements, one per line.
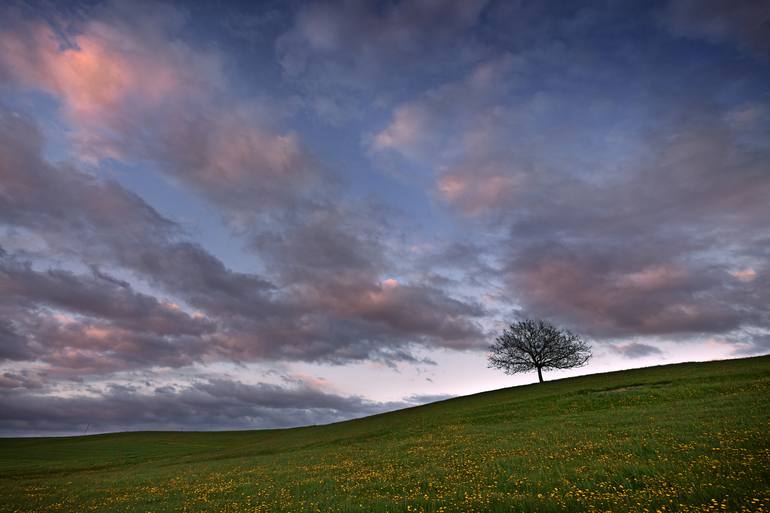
<point>530,344</point>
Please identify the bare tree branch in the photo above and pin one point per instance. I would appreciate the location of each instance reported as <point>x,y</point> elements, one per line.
<point>528,345</point>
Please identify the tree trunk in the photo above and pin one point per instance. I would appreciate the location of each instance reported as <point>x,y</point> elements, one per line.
<point>540,374</point>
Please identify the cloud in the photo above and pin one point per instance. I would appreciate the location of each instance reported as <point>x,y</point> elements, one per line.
<point>425,129</point>
<point>353,44</point>
<point>427,398</point>
<point>265,182</point>
<point>745,23</point>
<point>81,324</point>
<point>745,275</point>
<point>343,57</point>
<point>566,164</point>
<point>636,350</point>
<point>221,145</point>
<point>95,75</point>
<point>605,294</point>
<point>753,344</point>
<point>22,379</point>
<point>327,306</point>
<point>327,242</point>
<point>409,131</point>
<point>651,254</point>
<point>616,221</point>
<point>212,404</point>
<point>96,296</point>
<point>14,346</point>
<point>77,348</point>
<point>58,203</point>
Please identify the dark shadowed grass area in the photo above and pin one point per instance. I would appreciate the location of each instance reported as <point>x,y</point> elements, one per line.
<point>687,437</point>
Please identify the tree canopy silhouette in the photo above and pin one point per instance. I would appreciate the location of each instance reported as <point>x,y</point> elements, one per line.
<point>533,344</point>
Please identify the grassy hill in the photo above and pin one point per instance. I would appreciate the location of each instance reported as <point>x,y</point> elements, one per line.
<point>687,437</point>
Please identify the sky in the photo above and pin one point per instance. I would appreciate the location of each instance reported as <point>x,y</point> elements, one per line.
<point>217,215</point>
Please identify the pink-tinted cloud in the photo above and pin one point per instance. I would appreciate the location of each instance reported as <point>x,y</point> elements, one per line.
<point>746,275</point>
<point>146,94</point>
<point>98,73</point>
<point>477,193</point>
<point>436,127</point>
<point>604,296</point>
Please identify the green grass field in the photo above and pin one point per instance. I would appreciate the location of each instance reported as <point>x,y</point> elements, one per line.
<point>688,437</point>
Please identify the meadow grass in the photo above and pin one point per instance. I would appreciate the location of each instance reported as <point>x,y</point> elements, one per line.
<point>687,437</point>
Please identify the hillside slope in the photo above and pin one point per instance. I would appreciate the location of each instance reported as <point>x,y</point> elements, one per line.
<point>687,437</point>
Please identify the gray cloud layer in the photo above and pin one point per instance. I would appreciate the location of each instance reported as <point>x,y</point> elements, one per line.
<point>214,404</point>
<point>636,350</point>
